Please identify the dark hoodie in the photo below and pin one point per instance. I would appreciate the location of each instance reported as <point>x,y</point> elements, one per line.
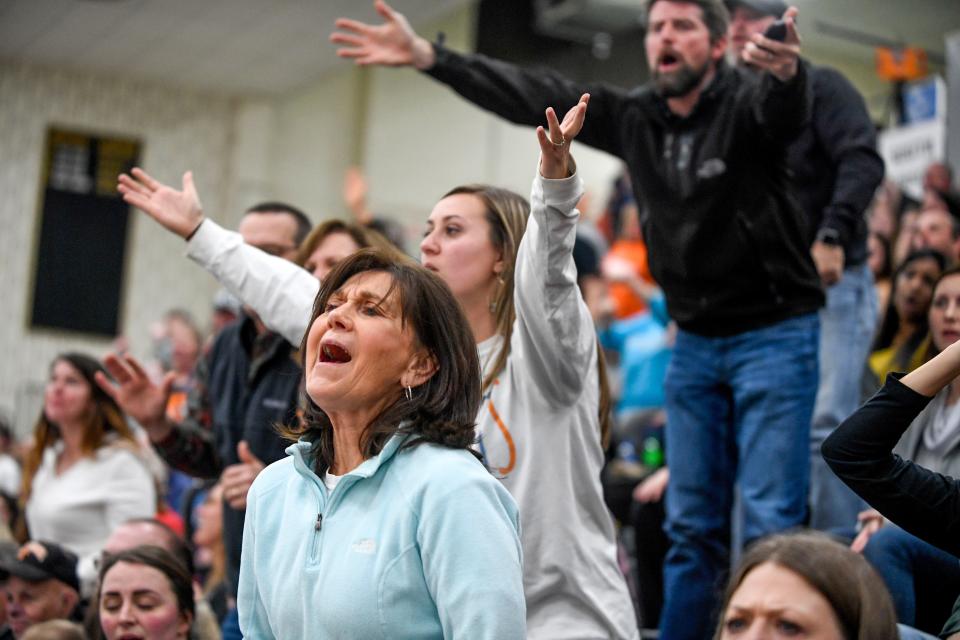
<point>723,229</point>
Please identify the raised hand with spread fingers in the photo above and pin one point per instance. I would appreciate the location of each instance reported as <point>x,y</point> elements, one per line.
<point>178,211</point>
<point>393,43</point>
<point>137,395</point>
<point>555,161</point>
<point>779,58</point>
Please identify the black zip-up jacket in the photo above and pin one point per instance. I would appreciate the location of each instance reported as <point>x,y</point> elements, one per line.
<point>835,164</point>
<point>724,234</point>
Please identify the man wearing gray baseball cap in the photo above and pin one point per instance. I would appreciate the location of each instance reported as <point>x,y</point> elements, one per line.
<point>40,581</point>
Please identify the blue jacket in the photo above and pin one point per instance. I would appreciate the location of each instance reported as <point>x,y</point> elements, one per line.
<point>641,342</point>
<point>414,543</point>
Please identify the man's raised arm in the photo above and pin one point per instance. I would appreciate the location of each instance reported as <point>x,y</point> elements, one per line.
<point>783,109</point>
<point>515,94</point>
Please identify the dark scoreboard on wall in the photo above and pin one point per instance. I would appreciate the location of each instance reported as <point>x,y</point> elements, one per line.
<point>82,238</point>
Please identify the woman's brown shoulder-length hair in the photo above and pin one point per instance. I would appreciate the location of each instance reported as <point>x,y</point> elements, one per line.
<point>442,410</point>
<point>107,421</point>
<point>854,590</point>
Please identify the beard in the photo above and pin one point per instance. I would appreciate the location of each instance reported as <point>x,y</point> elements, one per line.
<point>675,84</point>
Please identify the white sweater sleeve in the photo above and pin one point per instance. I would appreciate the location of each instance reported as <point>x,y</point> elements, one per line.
<point>554,332</point>
<point>279,291</point>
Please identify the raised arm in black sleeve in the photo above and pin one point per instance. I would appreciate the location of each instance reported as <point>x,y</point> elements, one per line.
<point>523,95</point>
<point>782,109</point>
<point>859,451</point>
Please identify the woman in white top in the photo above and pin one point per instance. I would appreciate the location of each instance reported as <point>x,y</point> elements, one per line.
<point>510,266</point>
<point>84,475</point>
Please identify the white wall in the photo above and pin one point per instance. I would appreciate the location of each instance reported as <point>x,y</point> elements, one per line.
<point>423,139</point>
<point>414,138</point>
<point>314,141</point>
<point>178,129</point>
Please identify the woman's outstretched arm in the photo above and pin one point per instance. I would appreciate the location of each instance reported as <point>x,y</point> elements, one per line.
<point>279,291</point>
<point>554,329</point>
<point>860,452</point>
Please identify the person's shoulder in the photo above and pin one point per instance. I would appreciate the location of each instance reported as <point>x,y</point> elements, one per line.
<point>642,94</point>
<point>439,466</point>
<point>440,457</point>
<point>433,477</point>
<point>274,475</point>
<point>827,79</point>
<point>119,451</point>
<point>122,460</point>
<point>821,72</point>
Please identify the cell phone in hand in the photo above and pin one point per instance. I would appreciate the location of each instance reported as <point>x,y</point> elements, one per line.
<point>776,31</point>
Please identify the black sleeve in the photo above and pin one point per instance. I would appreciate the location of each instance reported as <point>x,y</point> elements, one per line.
<point>843,129</point>
<point>523,95</point>
<point>782,109</point>
<point>190,446</point>
<point>859,451</point>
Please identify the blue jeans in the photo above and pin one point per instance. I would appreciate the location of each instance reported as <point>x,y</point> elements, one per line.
<point>738,410</point>
<point>230,628</point>
<point>923,580</point>
<point>847,325</point>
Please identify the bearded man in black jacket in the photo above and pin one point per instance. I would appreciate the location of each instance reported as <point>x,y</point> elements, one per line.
<point>705,145</point>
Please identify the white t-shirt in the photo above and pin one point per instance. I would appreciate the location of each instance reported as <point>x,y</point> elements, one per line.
<point>331,481</point>
<point>81,507</point>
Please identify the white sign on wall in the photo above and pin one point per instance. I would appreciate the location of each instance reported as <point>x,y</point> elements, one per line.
<point>907,151</point>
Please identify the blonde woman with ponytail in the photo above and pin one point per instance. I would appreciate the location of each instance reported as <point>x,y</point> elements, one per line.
<point>542,420</point>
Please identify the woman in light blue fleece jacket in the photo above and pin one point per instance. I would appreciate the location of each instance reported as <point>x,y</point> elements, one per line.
<point>370,529</point>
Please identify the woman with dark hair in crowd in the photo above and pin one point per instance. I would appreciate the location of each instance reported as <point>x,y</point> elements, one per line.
<point>805,585</point>
<point>902,343</point>
<point>382,518</point>
<point>84,474</point>
<point>332,241</point>
<point>145,593</point>
<point>544,411</point>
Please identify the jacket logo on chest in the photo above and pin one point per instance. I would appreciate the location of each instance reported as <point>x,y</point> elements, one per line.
<point>711,168</point>
<point>366,546</point>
